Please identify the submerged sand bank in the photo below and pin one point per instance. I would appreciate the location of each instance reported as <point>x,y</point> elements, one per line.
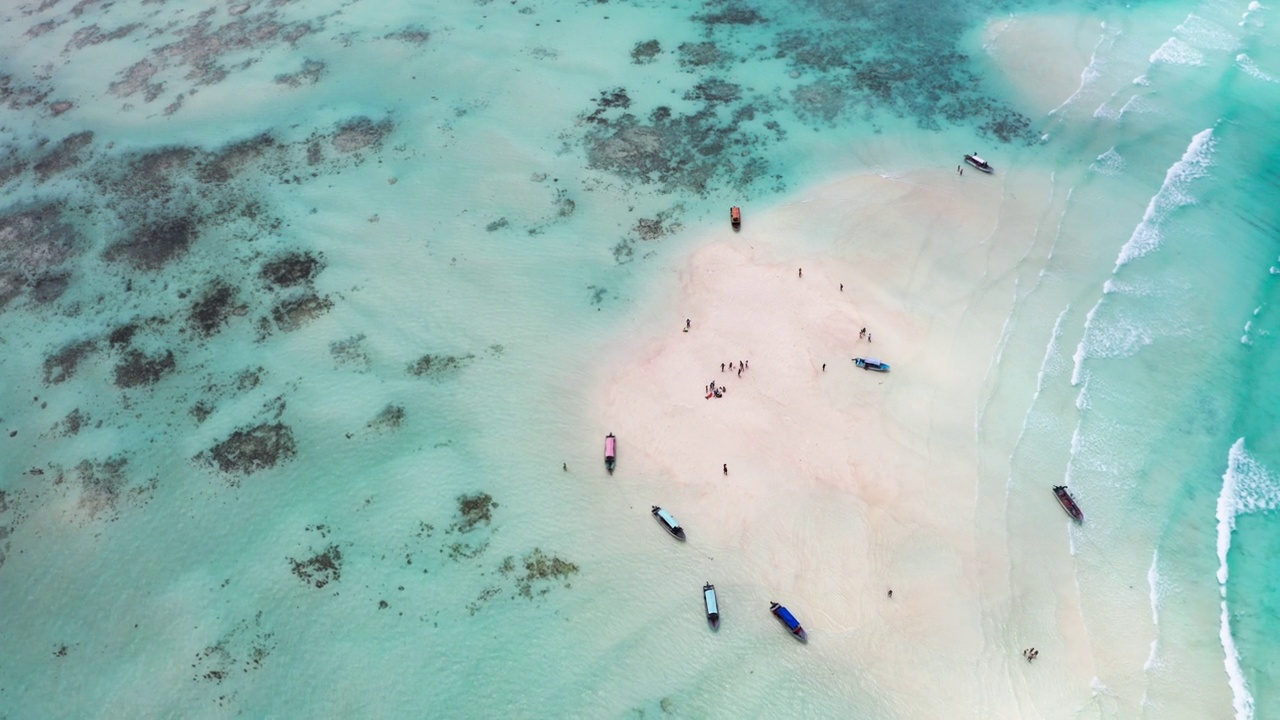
<point>843,484</point>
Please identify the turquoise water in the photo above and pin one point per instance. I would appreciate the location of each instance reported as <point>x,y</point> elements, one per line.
<point>298,306</point>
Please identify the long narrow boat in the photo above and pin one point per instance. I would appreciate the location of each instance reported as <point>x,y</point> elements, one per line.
<point>713,608</point>
<point>668,522</point>
<point>1068,503</point>
<point>788,619</point>
<point>735,217</point>
<point>871,364</point>
<point>979,163</point>
<point>610,451</point>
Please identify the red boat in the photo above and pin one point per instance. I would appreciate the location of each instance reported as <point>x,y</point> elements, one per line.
<point>1068,503</point>
<point>735,217</point>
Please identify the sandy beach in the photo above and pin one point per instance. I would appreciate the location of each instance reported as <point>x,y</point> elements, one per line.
<point>844,484</point>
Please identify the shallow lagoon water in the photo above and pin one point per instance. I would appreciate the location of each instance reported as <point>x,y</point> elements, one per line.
<point>288,291</point>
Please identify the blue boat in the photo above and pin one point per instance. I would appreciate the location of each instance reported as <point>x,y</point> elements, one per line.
<point>713,608</point>
<point>668,522</point>
<point>790,620</point>
<point>871,364</point>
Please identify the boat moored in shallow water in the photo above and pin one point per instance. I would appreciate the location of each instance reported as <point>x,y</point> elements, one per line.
<point>713,608</point>
<point>610,451</point>
<point>1068,503</point>
<point>871,364</point>
<point>735,217</point>
<point>979,163</point>
<point>788,619</point>
<point>668,522</point>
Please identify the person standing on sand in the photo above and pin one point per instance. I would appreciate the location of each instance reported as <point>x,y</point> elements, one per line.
<point>841,287</point>
<point>746,364</point>
<point>824,367</point>
<point>862,333</point>
<point>800,273</point>
<point>721,367</point>
<point>739,372</point>
<point>726,468</point>
<point>687,323</point>
<point>868,337</point>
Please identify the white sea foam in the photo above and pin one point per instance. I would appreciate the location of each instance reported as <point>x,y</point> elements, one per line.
<point>1173,194</point>
<point>1137,104</point>
<point>1052,356</point>
<point>1247,487</point>
<point>1177,52</point>
<point>1246,63</point>
<point>1108,163</point>
<point>1206,35</point>
<point>1093,70</point>
<point>1153,583</point>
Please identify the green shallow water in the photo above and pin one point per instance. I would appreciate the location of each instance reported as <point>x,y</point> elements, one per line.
<point>475,202</point>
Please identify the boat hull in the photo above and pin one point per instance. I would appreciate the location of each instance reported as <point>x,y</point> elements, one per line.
<point>870,364</point>
<point>668,523</point>
<point>610,452</point>
<point>785,616</point>
<point>978,164</point>
<point>712,604</point>
<point>1068,503</point>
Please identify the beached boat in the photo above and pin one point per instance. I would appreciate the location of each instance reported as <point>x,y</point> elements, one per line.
<point>979,163</point>
<point>871,364</point>
<point>788,619</point>
<point>735,217</point>
<point>1068,503</point>
<point>713,608</point>
<point>610,451</point>
<point>668,522</point>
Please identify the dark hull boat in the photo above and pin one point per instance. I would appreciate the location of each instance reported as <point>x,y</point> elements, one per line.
<point>979,163</point>
<point>668,522</point>
<point>1068,503</point>
<point>610,452</point>
<point>871,364</point>
<point>735,217</point>
<point>788,619</point>
<point>713,608</point>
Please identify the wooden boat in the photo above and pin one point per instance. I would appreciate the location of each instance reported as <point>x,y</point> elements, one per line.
<point>1068,503</point>
<point>610,451</point>
<point>735,217</point>
<point>788,619</point>
<point>713,608</point>
<point>979,163</point>
<point>871,364</point>
<point>668,522</point>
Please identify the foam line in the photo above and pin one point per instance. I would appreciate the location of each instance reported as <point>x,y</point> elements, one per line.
<point>1172,195</point>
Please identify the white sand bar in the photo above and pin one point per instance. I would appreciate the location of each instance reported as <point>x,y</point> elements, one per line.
<point>844,483</point>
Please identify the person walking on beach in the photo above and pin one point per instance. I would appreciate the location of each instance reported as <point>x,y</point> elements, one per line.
<point>746,364</point>
<point>739,372</point>
<point>862,333</point>
<point>868,337</point>
<point>841,287</point>
<point>800,273</point>
<point>824,367</point>
<point>726,468</point>
<point>721,367</point>
<point>687,323</point>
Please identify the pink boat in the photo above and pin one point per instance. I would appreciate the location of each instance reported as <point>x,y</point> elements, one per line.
<point>610,451</point>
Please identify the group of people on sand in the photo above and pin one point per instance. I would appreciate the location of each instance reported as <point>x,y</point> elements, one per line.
<point>742,365</point>
<point>1030,654</point>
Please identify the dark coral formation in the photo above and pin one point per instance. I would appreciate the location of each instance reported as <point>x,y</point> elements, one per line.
<point>136,368</point>
<point>390,417</point>
<point>292,313</point>
<point>36,240</point>
<point>350,353</point>
<point>213,309</point>
<point>321,568</point>
<point>64,156</point>
<point>310,74</point>
<point>251,449</point>
<point>539,567</point>
<point>155,244</point>
<point>292,268</point>
<point>411,35</point>
<point>474,510</point>
<point>360,133</point>
<point>645,52</point>
<point>437,366</point>
<point>61,365</point>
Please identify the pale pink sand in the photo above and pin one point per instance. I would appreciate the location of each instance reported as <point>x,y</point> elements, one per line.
<point>845,483</point>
